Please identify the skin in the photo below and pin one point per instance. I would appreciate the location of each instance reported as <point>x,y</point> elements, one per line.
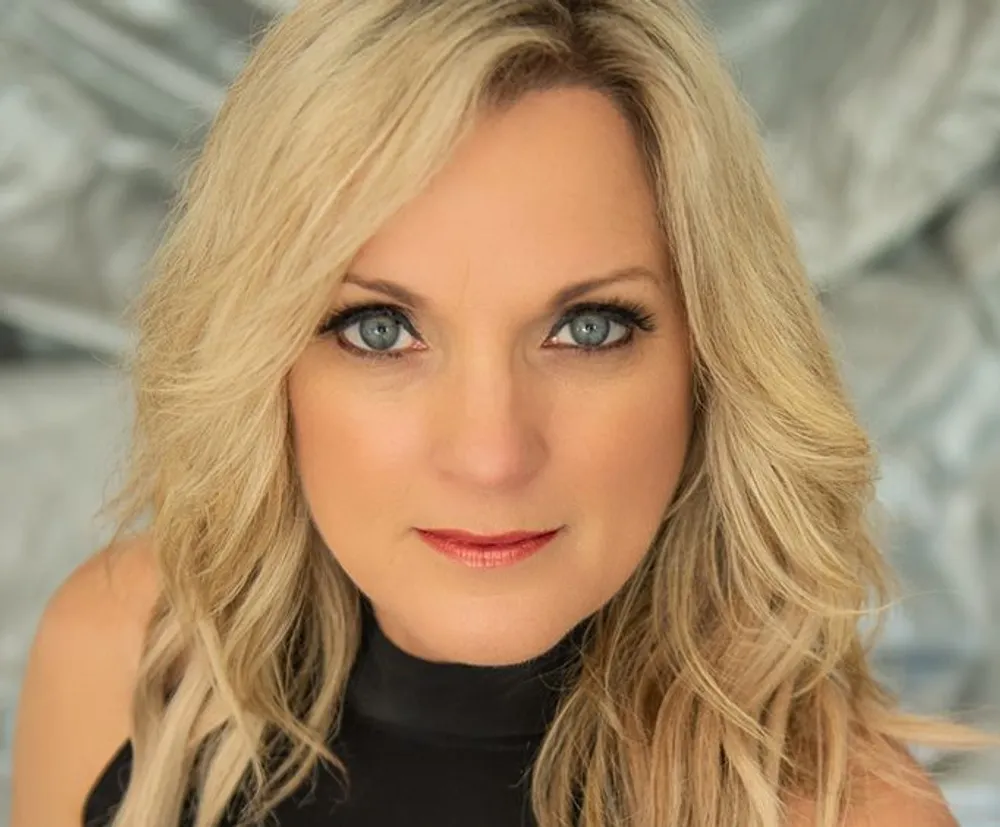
<point>495,419</point>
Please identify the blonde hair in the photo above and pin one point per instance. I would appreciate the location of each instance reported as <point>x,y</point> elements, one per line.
<point>728,675</point>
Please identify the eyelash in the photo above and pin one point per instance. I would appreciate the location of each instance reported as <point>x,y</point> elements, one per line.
<point>626,312</point>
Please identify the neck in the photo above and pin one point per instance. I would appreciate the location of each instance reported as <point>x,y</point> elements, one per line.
<point>391,686</point>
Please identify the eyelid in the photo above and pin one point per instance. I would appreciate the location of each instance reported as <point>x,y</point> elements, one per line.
<point>339,319</point>
<point>624,308</point>
<point>626,311</point>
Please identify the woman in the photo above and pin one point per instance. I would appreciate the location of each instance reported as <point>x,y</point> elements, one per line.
<point>497,467</point>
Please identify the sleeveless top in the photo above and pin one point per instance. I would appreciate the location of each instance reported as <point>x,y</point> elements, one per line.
<point>424,743</point>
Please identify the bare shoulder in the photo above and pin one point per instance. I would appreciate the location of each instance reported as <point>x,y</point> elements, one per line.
<point>74,711</point>
<point>876,802</point>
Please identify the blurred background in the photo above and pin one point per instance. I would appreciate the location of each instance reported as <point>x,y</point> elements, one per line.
<point>882,123</point>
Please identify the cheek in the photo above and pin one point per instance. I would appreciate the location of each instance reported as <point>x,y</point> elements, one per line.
<point>636,442</point>
<point>356,454</point>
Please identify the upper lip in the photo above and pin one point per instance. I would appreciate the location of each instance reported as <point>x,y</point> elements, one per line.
<point>485,539</point>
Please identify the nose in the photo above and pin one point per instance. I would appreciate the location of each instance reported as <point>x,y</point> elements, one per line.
<point>489,424</point>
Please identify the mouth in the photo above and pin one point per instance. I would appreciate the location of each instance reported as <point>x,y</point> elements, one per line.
<point>487,550</point>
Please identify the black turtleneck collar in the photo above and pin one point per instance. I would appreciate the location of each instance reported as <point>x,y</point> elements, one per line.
<point>390,686</point>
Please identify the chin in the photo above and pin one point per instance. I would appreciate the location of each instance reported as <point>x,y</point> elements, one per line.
<point>484,635</point>
<point>498,650</point>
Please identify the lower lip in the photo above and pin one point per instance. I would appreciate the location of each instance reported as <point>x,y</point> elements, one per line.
<point>487,557</point>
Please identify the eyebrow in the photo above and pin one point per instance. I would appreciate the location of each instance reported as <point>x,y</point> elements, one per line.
<point>567,294</point>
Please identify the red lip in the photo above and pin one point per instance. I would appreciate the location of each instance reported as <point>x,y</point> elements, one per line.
<point>487,551</point>
<point>466,538</point>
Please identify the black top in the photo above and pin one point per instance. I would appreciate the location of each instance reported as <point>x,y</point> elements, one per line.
<point>436,744</point>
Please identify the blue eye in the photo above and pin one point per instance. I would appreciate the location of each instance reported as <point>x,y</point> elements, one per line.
<point>379,331</point>
<point>598,327</point>
<point>382,331</point>
<point>594,329</point>
<point>371,331</point>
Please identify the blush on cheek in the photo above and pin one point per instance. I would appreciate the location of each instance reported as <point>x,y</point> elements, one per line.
<point>358,455</point>
<point>644,456</point>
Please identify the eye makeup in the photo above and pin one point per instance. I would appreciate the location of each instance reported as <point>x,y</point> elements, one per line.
<point>630,314</point>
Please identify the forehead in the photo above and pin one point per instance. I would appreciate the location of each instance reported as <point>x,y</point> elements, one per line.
<point>551,188</point>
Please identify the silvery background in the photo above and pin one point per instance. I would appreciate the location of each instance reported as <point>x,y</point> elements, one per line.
<point>882,121</point>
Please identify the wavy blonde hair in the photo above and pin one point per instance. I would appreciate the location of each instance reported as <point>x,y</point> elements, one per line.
<point>728,674</point>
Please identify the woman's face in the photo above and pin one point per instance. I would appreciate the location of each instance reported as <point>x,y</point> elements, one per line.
<point>476,395</point>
